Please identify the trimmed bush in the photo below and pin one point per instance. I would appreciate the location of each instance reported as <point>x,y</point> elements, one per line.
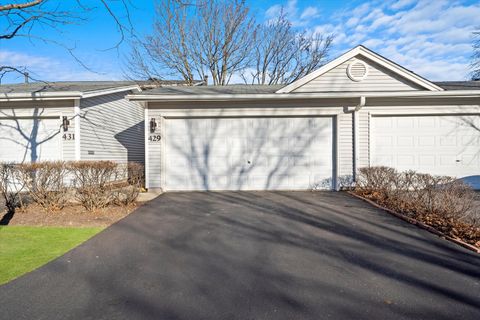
<point>94,182</point>
<point>11,185</point>
<point>127,192</point>
<point>45,183</point>
<point>443,202</point>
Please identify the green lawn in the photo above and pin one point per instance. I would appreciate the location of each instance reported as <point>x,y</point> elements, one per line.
<point>23,249</point>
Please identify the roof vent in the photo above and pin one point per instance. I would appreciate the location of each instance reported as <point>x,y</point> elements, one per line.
<point>357,70</point>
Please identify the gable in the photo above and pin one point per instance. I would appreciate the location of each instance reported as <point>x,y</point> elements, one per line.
<point>360,70</point>
<point>376,78</point>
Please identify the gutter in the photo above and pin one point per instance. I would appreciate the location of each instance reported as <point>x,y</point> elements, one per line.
<point>297,96</point>
<point>62,95</point>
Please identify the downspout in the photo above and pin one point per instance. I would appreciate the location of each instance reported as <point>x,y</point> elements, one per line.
<point>359,106</point>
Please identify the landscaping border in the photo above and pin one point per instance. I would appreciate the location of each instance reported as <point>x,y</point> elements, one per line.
<point>418,223</point>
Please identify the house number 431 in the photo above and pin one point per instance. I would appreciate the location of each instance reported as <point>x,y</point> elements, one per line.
<point>68,136</point>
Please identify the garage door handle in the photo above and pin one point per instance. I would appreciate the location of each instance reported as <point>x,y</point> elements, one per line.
<point>249,162</point>
<point>458,160</point>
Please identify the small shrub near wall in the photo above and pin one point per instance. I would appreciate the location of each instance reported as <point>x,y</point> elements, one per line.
<point>93,182</point>
<point>11,185</point>
<point>44,182</point>
<point>444,202</point>
<point>127,192</point>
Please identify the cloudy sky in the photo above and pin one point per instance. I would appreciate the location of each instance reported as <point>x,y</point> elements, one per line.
<point>430,37</point>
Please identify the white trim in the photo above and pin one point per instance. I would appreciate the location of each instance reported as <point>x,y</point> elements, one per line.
<point>62,95</point>
<point>90,94</point>
<point>163,157</point>
<point>147,160</point>
<point>367,53</point>
<point>76,117</point>
<point>300,96</point>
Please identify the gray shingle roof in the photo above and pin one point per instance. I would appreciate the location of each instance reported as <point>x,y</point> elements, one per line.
<point>214,90</point>
<point>459,85</point>
<point>82,86</point>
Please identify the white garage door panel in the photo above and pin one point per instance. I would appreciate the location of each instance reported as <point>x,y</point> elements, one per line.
<point>248,153</point>
<point>26,140</point>
<point>442,145</point>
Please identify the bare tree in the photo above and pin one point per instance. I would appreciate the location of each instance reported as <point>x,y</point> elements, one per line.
<point>194,39</point>
<point>476,56</point>
<point>283,55</point>
<point>30,19</point>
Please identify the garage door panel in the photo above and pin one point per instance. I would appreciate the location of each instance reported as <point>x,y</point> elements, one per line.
<point>247,153</point>
<point>29,139</point>
<point>442,145</point>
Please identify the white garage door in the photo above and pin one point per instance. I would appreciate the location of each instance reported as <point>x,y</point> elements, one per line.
<point>248,153</point>
<point>27,139</point>
<point>442,145</point>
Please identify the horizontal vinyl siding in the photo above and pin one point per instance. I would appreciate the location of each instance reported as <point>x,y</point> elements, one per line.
<point>55,109</point>
<point>345,146</point>
<point>363,139</point>
<point>112,128</point>
<point>155,152</point>
<point>378,79</point>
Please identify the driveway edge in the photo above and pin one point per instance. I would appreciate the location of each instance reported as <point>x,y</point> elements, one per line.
<point>418,223</point>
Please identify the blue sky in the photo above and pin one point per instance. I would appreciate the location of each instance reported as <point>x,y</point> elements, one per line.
<point>432,38</point>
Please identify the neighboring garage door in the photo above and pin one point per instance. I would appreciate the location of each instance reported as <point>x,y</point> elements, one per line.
<point>28,139</point>
<point>248,153</point>
<point>441,145</point>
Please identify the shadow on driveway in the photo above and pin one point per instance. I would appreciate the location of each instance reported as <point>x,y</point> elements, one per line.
<point>254,255</point>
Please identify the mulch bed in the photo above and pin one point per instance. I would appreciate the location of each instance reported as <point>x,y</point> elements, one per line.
<point>72,215</point>
<point>463,234</point>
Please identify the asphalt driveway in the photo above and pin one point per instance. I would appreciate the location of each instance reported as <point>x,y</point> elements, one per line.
<point>253,255</point>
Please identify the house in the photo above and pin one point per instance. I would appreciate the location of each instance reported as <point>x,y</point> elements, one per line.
<point>359,110</point>
<point>83,120</point>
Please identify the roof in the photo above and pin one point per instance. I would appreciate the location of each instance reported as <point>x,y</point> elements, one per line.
<point>369,54</point>
<point>459,85</point>
<point>214,90</point>
<point>80,86</point>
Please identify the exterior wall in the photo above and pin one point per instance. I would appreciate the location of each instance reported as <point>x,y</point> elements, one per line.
<point>112,128</point>
<point>334,108</point>
<point>406,107</point>
<point>345,146</point>
<point>378,79</point>
<point>46,109</point>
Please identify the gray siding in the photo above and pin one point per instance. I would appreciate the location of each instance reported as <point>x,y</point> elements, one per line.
<point>50,109</point>
<point>345,147</point>
<point>363,139</point>
<point>112,128</point>
<point>378,79</point>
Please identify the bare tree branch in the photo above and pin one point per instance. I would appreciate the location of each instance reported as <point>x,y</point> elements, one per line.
<point>476,56</point>
<point>195,38</point>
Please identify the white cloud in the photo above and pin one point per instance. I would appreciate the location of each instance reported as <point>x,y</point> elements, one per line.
<point>309,13</point>
<point>431,38</point>
<point>48,69</point>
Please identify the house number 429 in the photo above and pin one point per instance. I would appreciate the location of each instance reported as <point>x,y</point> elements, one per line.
<point>154,138</point>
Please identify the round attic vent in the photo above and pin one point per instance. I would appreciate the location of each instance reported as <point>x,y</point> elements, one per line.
<point>357,70</point>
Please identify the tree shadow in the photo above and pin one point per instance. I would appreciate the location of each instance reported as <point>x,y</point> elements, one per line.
<point>29,138</point>
<point>245,153</point>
